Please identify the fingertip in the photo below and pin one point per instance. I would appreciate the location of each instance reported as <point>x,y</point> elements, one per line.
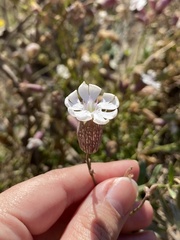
<point>143,218</point>
<point>116,168</point>
<point>104,211</point>
<point>122,194</point>
<point>145,214</point>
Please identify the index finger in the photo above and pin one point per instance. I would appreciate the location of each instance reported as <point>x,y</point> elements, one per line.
<point>40,201</point>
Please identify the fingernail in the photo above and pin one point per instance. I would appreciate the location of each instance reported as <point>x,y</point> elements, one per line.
<point>122,194</point>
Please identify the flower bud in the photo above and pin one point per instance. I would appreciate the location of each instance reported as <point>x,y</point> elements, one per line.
<point>32,50</point>
<point>25,86</point>
<point>76,12</point>
<point>111,147</point>
<point>34,143</point>
<point>152,4</point>
<point>161,5</point>
<point>107,3</point>
<point>89,136</point>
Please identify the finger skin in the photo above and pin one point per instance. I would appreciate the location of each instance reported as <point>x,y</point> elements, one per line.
<point>104,211</point>
<point>40,201</point>
<point>140,219</point>
<point>144,235</point>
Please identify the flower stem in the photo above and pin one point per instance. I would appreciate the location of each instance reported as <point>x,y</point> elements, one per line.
<point>147,192</point>
<point>147,195</point>
<point>91,171</point>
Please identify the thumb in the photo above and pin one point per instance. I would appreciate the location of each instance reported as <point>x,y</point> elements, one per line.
<point>104,211</point>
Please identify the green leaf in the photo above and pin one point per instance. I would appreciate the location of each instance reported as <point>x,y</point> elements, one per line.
<point>165,205</point>
<point>172,193</point>
<point>178,198</point>
<point>171,174</point>
<point>155,174</point>
<point>143,175</point>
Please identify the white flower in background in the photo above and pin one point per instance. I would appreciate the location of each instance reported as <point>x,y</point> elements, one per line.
<point>34,143</point>
<point>150,79</point>
<point>63,71</point>
<point>137,5</point>
<point>101,16</point>
<point>83,104</point>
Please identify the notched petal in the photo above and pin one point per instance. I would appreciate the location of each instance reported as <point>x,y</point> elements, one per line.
<point>77,106</point>
<point>83,115</point>
<point>109,115</point>
<point>109,97</point>
<point>94,91</point>
<point>107,106</point>
<point>73,97</point>
<point>83,91</point>
<point>115,101</point>
<point>71,112</point>
<point>99,119</point>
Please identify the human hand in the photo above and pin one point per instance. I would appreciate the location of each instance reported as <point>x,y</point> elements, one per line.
<point>64,204</point>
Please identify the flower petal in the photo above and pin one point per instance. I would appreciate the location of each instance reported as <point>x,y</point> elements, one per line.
<point>71,111</point>
<point>83,115</point>
<point>94,92</point>
<point>77,106</point>
<point>71,99</point>
<point>109,115</point>
<point>83,91</point>
<point>109,97</point>
<point>106,106</point>
<point>109,102</point>
<point>99,119</point>
<point>115,101</point>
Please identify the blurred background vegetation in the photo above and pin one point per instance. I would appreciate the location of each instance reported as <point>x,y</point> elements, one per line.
<point>48,47</point>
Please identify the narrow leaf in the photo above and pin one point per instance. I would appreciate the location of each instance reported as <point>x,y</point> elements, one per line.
<point>171,174</point>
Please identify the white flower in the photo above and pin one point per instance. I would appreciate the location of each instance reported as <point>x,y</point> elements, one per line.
<point>150,79</point>
<point>34,143</point>
<point>63,71</point>
<point>88,108</point>
<point>137,5</point>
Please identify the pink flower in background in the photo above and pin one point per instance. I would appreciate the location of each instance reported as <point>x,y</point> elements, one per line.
<point>107,3</point>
